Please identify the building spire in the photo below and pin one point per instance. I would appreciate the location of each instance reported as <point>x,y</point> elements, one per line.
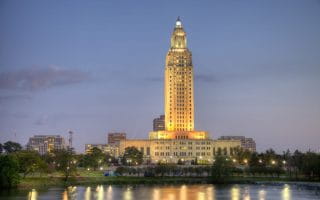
<point>178,23</point>
<point>178,37</point>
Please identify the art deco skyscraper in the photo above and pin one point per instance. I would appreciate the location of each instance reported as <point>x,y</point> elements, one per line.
<point>178,85</point>
<point>178,91</point>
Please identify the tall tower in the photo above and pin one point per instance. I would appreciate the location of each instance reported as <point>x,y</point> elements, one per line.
<point>178,83</point>
<point>178,91</point>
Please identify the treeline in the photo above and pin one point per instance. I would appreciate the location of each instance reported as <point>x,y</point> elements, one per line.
<point>296,165</point>
<point>16,163</point>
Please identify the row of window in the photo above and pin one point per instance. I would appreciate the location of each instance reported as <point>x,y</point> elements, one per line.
<point>183,154</point>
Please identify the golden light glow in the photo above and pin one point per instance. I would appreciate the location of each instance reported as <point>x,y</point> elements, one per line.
<point>178,89</point>
<point>286,192</point>
<point>235,193</point>
<point>87,194</point>
<point>100,192</point>
<point>33,195</point>
<point>154,135</point>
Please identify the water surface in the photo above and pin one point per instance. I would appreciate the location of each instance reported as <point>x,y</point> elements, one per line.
<point>168,192</point>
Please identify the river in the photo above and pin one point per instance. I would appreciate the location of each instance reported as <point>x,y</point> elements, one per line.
<point>168,192</point>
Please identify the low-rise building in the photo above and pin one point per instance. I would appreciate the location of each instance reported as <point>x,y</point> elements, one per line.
<point>246,143</point>
<point>186,150</point>
<point>112,150</point>
<point>46,143</point>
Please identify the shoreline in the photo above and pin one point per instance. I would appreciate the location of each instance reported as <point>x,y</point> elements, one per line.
<point>45,182</point>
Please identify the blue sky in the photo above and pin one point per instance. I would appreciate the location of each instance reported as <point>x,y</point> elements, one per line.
<point>97,66</point>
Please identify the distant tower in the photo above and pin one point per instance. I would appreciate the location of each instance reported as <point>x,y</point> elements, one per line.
<point>70,139</point>
<point>178,89</point>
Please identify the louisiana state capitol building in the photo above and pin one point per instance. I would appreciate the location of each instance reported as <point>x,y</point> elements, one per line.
<point>179,141</point>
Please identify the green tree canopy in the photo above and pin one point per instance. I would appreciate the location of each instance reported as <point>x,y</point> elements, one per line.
<point>65,162</point>
<point>29,162</point>
<point>94,159</point>
<point>11,147</point>
<point>132,156</point>
<point>9,171</point>
<point>221,168</point>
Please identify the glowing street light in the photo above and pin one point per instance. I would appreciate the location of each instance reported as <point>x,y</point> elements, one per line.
<point>260,161</point>
<point>284,162</point>
<point>273,162</point>
<point>245,161</point>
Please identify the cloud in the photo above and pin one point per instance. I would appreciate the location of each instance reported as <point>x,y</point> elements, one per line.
<point>37,78</point>
<point>13,97</point>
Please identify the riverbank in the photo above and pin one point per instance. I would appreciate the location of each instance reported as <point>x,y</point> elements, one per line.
<point>40,182</point>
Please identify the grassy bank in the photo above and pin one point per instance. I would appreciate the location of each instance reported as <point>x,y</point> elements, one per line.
<point>38,182</point>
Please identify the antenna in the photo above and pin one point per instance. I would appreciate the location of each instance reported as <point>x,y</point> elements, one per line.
<point>70,139</point>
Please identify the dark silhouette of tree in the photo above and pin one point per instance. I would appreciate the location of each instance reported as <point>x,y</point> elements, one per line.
<point>132,156</point>
<point>11,147</point>
<point>94,159</point>
<point>221,168</point>
<point>65,162</point>
<point>9,171</point>
<point>29,162</point>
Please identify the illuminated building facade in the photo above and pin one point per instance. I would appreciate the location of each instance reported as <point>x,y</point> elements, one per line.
<point>179,141</point>
<point>112,150</point>
<point>178,91</point>
<point>46,143</point>
<point>246,143</point>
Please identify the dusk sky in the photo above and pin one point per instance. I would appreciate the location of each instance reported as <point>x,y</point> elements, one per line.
<point>97,66</point>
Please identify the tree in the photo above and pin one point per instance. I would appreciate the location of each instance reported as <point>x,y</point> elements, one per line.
<point>222,167</point>
<point>9,171</point>
<point>132,156</point>
<point>256,165</point>
<point>11,147</point>
<point>94,159</point>
<point>1,148</point>
<point>65,162</point>
<point>29,162</point>
<point>296,162</point>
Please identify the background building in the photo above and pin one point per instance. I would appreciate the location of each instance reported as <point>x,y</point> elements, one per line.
<point>112,150</point>
<point>159,124</point>
<point>246,143</point>
<point>115,137</point>
<point>46,143</point>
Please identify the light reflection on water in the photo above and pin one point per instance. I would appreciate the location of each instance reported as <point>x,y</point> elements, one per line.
<point>174,192</point>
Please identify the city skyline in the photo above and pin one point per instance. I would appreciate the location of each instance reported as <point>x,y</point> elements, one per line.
<point>97,71</point>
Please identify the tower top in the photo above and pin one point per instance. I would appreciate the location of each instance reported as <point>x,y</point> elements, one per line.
<point>178,22</point>
<point>178,37</point>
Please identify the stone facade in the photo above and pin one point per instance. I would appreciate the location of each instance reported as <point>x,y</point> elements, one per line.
<point>186,150</point>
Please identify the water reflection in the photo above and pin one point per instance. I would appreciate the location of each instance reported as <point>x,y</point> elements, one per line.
<point>262,194</point>
<point>286,192</point>
<point>235,193</point>
<point>33,195</point>
<point>87,194</point>
<point>176,192</point>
